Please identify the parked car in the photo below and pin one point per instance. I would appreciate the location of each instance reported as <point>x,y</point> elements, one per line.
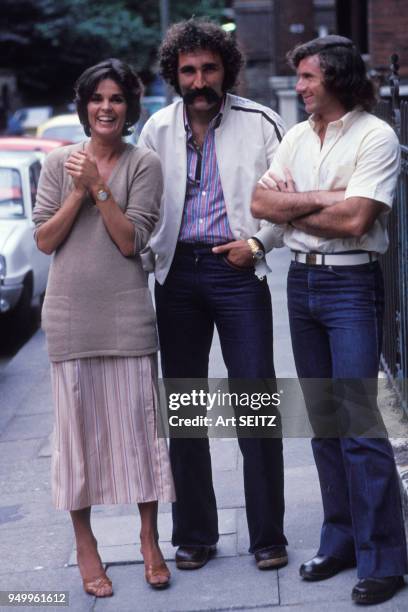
<point>23,268</point>
<point>39,146</point>
<point>68,126</point>
<point>62,127</point>
<point>26,120</point>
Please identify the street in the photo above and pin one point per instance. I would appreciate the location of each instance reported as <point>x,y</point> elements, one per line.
<point>37,544</point>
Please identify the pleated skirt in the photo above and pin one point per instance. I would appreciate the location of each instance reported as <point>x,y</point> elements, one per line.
<point>106,449</point>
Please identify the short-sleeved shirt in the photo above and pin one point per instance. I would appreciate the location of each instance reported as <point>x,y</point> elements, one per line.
<point>360,154</point>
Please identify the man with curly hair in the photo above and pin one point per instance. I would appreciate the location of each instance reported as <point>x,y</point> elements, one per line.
<point>331,186</point>
<point>208,254</point>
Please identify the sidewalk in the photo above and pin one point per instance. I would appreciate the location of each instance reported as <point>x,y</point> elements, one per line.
<point>36,542</point>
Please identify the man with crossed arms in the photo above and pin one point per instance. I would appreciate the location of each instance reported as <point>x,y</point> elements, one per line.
<point>330,188</point>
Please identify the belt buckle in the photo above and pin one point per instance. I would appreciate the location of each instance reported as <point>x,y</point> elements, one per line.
<point>311,258</point>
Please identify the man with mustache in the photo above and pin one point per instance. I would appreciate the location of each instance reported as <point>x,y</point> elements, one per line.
<point>208,254</point>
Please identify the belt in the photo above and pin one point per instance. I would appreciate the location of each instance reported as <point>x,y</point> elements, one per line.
<point>334,259</point>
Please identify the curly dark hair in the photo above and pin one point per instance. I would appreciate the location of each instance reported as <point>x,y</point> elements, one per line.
<point>123,75</point>
<point>193,34</point>
<point>345,74</point>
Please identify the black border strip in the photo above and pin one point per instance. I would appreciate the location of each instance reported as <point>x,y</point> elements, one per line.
<point>264,115</point>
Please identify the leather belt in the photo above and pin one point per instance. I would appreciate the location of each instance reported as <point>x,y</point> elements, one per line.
<point>334,259</point>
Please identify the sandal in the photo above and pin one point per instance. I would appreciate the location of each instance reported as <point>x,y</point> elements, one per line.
<point>155,571</point>
<point>98,585</point>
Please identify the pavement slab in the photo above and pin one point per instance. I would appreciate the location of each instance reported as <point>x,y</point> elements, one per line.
<point>28,427</point>
<point>25,548</point>
<point>63,579</point>
<point>119,541</point>
<point>214,587</point>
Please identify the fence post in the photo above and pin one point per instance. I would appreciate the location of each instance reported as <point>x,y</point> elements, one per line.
<point>394,80</point>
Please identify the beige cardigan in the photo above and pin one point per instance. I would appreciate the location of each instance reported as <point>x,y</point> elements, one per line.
<point>97,301</point>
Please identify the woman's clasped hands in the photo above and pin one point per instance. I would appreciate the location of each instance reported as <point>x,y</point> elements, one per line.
<point>81,166</point>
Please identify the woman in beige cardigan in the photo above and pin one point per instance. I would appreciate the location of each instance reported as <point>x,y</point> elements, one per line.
<point>96,207</point>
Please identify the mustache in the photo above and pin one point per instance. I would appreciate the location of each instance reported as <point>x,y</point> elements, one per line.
<point>207,92</point>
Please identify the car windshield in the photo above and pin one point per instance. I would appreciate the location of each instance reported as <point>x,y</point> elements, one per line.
<point>74,133</point>
<point>11,194</point>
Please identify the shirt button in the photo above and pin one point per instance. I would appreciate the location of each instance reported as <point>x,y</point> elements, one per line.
<point>203,193</point>
<point>201,221</point>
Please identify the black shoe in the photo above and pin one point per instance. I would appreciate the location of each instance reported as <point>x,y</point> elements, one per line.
<point>322,567</point>
<point>193,557</point>
<point>376,590</point>
<point>271,558</point>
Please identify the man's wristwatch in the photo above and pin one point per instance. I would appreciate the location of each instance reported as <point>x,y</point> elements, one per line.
<point>102,195</point>
<point>257,250</point>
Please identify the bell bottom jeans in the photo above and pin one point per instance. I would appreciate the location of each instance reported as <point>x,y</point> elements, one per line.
<point>203,290</point>
<point>336,319</point>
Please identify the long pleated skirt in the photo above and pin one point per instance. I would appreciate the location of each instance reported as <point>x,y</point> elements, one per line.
<point>106,449</point>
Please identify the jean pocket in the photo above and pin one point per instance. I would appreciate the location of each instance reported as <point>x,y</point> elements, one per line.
<point>360,274</point>
<point>236,268</point>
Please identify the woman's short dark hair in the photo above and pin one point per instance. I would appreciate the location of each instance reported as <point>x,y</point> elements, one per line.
<point>123,75</point>
<point>194,34</point>
<point>345,74</point>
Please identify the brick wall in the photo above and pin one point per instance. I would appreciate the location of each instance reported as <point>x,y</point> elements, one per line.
<point>388,32</point>
<point>267,30</point>
<point>290,14</point>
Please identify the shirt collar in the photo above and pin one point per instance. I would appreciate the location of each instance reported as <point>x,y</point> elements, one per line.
<point>341,124</point>
<point>214,123</point>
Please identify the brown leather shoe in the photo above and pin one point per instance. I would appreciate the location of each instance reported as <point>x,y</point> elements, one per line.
<point>193,557</point>
<point>273,557</point>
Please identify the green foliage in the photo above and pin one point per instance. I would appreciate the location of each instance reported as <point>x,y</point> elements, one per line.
<point>49,42</point>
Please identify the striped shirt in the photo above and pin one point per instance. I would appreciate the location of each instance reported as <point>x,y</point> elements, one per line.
<point>205,217</point>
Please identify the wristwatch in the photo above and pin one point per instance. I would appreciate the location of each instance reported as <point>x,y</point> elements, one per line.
<point>257,250</point>
<point>102,195</point>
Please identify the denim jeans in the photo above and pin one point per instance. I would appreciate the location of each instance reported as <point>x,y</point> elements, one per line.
<point>203,290</point>
<point>336,318</point>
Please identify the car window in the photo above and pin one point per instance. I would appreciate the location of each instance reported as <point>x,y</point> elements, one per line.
<point>11,194</point>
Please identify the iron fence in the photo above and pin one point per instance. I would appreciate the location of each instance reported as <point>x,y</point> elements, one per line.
<point>395,262</point>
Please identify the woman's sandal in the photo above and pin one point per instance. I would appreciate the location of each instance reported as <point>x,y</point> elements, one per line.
<point>99,587</point>
<point>154,571</point>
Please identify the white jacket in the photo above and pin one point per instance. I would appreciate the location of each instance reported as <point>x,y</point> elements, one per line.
<point>245,142</point>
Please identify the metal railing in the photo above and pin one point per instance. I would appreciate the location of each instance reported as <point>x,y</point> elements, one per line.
<point>394,358</point>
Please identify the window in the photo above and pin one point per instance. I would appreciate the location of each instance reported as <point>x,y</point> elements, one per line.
<point>11,194</point>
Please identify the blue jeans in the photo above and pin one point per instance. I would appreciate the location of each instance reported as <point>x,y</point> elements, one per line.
<point>203,290</point>
<point>336,318</point>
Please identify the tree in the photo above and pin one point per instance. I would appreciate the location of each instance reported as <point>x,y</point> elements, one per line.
<point>50,42</point>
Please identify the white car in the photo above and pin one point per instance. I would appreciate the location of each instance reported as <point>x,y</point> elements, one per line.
<point>23,268</point>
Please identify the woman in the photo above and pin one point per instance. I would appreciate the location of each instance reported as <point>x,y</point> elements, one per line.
<point>97,204</point>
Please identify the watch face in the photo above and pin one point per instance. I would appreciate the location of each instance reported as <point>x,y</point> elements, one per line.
<point>102,195</point>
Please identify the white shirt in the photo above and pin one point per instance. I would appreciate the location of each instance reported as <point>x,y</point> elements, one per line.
<point>360,154</point>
